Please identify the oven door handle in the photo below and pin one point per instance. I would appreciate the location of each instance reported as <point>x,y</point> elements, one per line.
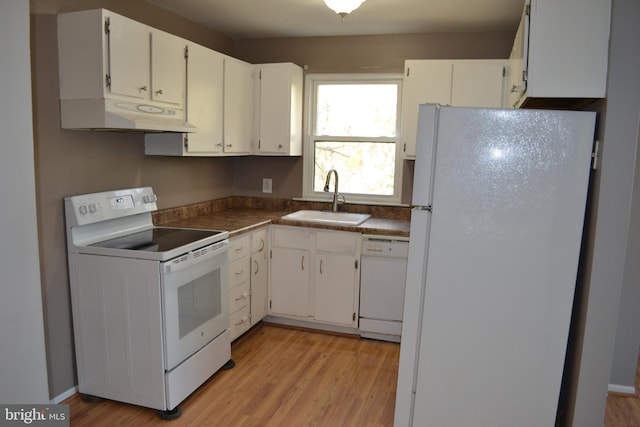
<point>196,257</point>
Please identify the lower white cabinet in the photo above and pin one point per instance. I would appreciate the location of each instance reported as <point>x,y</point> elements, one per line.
<point>259,274</point>
<point>315,275</point>
<point>247,281</point>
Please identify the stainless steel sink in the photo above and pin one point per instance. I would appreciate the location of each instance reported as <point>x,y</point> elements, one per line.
<point>327,217</point>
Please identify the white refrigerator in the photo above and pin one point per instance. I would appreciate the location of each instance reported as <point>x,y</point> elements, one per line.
<point>500,199</point>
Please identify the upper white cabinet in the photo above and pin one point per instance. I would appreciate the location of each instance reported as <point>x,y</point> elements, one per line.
<point>219,104</point>
<point>462,83</point>
<point>103,55</point>
<point>128,54</point>
<point>560,53</point>
<point>204,109</point>
<point>168,68</point>
<point>238,106</point>
<point>278,120</point>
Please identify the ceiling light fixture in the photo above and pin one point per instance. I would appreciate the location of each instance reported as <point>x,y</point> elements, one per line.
<point>343,7</point>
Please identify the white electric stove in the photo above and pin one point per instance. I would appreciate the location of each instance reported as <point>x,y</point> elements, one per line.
<point>150,304</point>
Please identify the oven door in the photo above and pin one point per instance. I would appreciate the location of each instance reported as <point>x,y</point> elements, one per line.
<point>195,301</point>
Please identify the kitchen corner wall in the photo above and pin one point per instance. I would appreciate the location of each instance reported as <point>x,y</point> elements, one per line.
<point>76,162</point>
<point>351,54</point>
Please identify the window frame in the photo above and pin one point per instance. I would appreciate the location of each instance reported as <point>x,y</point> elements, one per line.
<point>310,92</point>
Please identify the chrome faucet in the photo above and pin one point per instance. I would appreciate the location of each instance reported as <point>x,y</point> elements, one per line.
<point>334,206</point>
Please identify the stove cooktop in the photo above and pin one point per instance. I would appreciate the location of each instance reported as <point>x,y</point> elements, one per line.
<point>157,239</point>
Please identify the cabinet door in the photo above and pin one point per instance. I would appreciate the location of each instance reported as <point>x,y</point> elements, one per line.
<point>290,281</point>
<point>129,56</point>
<point>425,81</point>
<point>477,84</point>
<point>335,288</point>
<point>238,106</point>
<point>168,68</point>
<point>280,109</point>
<point>259,286</point>
<point>275,109</point>
<point>259,275</point>
<point>204,103</point>
<point>568,48</point>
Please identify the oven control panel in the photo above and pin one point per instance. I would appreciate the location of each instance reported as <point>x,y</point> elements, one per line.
<point>87,209</point>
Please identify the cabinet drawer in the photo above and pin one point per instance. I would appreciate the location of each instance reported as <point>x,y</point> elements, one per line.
<point>239,322</point>
<point>296,238</point>
<point>240,247</point>
<point>337,242</point>
<point>259,241</point>
<point>239,271</point>
<point>239,297</point>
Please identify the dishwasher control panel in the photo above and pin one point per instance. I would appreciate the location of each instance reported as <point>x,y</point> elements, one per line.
<point>390,247</point>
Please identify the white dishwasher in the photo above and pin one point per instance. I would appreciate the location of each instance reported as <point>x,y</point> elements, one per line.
<point>382,281</point>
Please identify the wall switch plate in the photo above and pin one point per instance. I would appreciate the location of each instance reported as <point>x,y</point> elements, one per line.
<point>266,185</point>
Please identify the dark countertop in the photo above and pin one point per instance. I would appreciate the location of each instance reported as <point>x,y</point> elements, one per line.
<point>238,220</point>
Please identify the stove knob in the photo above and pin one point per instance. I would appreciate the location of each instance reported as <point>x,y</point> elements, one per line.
<point>83,209</point>
<point>93,208</point>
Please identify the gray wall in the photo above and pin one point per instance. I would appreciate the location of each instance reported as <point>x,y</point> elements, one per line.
<point>623,119</point>
<point>615,241</point>
<point>23,371</point>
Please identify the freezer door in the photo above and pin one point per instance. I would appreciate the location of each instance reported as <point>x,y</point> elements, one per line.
<point>425,154</point>
<point>509,197</point>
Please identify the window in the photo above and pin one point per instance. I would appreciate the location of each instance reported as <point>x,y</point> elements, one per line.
<point>353,127</point>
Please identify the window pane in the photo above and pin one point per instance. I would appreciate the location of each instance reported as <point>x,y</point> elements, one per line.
<point>367,110</point>
<point>363,167</point>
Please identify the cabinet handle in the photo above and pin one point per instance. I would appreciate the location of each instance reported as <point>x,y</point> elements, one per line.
<point>241,248</point>
<point>257,267</point>
<point>239,273</point>
<point>261,247</point>
<point>159,92</point>
<point>243,296</point>
<point>244,319</point>
<point>143,89</point>
<point>321,266</point>
<point>229,145</point>
<point>302,262</point>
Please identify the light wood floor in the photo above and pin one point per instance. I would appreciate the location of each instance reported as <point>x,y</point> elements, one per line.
<point>288,377</point>
<point>283,377</point>
<point>624,410</point>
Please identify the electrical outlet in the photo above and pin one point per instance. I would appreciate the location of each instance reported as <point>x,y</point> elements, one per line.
<point>266,185</point>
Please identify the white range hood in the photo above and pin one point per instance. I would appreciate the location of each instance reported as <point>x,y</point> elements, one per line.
<point>111,114</point>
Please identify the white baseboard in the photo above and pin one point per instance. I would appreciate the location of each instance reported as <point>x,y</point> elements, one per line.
<point>63,396</point>
<point>310,325</point>
<point>623,389</point>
